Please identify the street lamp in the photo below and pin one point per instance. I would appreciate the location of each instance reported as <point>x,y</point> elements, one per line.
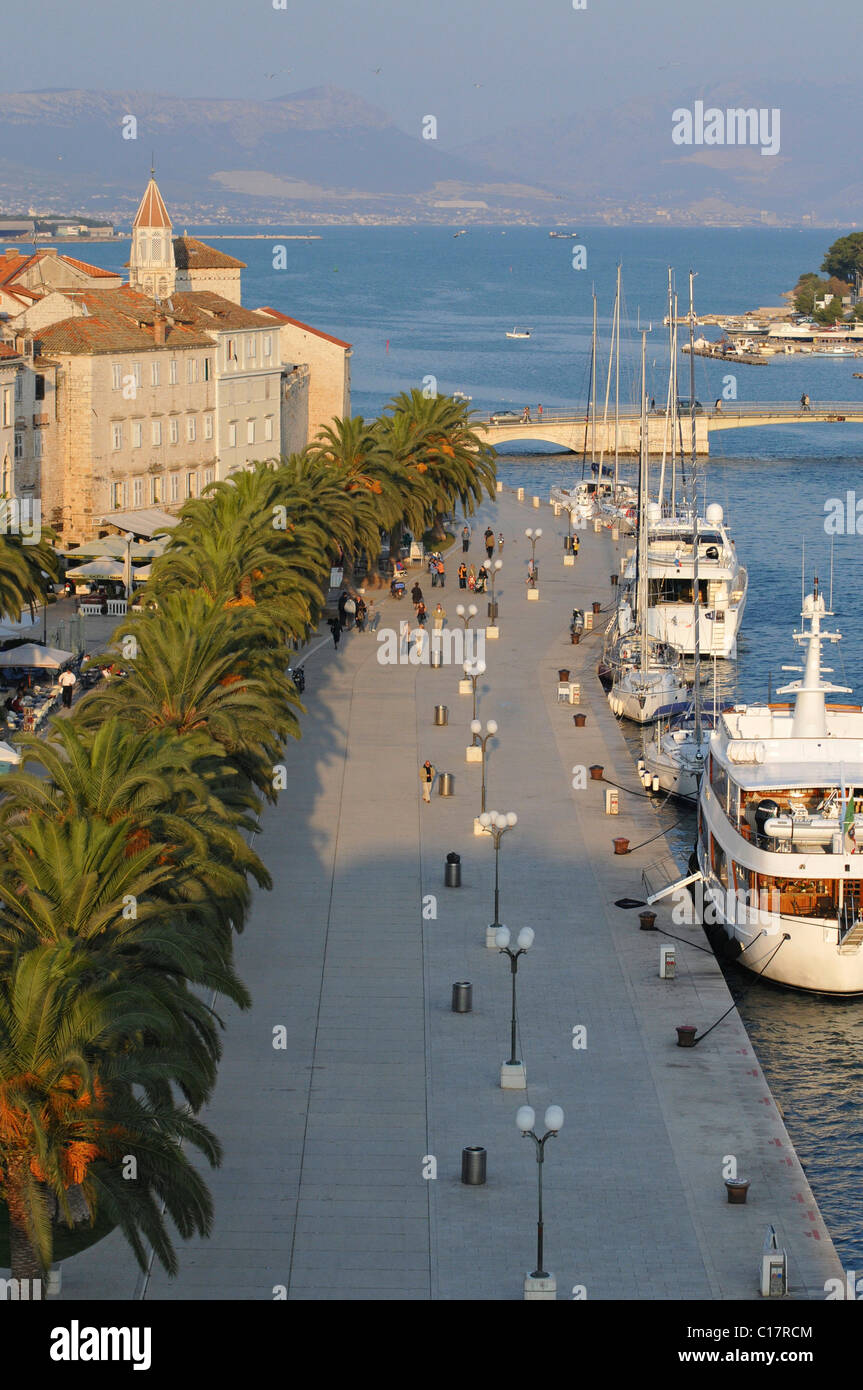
<point>473,670</point>
<point>466,615</point>
<point>494,570</point>
<point>533,537</point>
<point>496,824</point>
<point>482,740</point>
<point>526,1119</point>
<point>524,941</point>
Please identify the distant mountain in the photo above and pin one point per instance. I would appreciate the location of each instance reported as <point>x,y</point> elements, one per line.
<point>626,152</point>
<point>320,147</point>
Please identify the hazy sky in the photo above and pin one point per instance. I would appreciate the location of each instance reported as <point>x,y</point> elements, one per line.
<point>532,59</point>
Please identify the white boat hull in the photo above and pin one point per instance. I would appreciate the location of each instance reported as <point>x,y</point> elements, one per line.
<point>644,698</point>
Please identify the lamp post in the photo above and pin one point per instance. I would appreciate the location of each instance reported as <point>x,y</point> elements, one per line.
<point>496,824</point>
<point>533,537</point>
<point>526,1119</point>
<point>524,941</point>
<point>466,615</point>
<point>494,570</point>
<point>482,740</point>
<point>127,564</point>
<point>473,670</point>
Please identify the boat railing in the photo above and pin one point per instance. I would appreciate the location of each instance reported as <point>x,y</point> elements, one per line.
<point>849,916</point>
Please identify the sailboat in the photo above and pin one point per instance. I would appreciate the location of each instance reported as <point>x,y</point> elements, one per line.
<point>647,677</point>
<point>519,333</point>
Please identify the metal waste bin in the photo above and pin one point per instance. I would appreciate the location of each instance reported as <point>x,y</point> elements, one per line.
<point>452,871</point>
<point>492,611</point>
<point>462,1001</point>
<point>441,714</point>
<point>446,784</point>
<point>473,1166</point>
<point>435,655</point>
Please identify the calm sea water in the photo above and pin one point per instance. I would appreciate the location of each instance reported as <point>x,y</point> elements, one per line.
<point>419,303</point>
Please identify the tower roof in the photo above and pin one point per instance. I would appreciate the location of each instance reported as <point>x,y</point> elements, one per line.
<point>151,210</point>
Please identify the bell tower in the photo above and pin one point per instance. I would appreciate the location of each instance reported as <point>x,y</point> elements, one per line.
<point>152,268</point>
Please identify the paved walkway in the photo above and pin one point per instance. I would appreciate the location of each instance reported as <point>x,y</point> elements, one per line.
<point>326,1140</point>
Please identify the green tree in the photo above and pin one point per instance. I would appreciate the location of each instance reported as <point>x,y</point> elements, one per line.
<point>845,257</point>
<point>22,583</point>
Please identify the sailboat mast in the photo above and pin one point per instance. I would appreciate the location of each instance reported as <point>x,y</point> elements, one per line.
<point>675,414</point>
<point>660,496</point>
<point>617,385</point>
<point>593,387</point>
<point>696,594</point>
<point>642,514</point>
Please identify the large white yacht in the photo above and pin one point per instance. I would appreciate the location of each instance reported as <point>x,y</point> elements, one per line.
<point>780,828</point>
<point>722,582</point>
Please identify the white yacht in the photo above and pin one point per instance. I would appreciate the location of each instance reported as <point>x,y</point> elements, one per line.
<point>780,826</point>
<point>671,564</point>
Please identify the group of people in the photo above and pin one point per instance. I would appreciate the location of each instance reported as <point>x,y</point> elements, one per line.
<point>354,612</point>
<point>472,578</point>
<point>437,569</point>
<point>526,416</point>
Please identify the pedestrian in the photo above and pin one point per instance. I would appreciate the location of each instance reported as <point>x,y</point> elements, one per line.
<point>336,629</point>
<point>575,544</point>
<point>539,413</point>
<point>362,614</point>
<point>441,572</point>
<point>489,542</point>
<point>416,594</point>
<point>343,617</point>
<point>427,776</point>
<point>481,579</point>
<point>718,406</point>
<point>350,612</point>
<point>471,578</point>
<point>462,575</point>
<point>465,538</point>
<point>652,403</point>
<point>439,617</point>
<point>422,614</point>
<point>373,617</point>
<point>500,541</point>
<point>531,573</point>
<point>67,681</point>
<point>804,401</point>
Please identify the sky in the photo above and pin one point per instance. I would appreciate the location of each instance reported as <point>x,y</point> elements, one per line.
<point>478,65</point>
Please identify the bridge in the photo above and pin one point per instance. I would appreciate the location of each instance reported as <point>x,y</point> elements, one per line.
<point>573,430</point>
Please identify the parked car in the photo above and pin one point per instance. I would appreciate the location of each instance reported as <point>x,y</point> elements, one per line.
<point>684,405</point>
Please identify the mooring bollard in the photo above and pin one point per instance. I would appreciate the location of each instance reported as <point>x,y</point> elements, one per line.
<point>686,1035</point>
<point>621,845</point>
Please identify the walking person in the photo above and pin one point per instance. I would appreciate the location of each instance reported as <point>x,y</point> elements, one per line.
<point>500,542</point>
<point>67,682</point>
<point>427,776</point>
<point>441,572</point>
<point>362,613</point>
<point>462,575</point>
<point>416,594</point>
<point>539,413</point>
<point>336,629</point>
<point>804,402</point>
<point>439,617</point>
<point>489,542</point>
<point>465,538</point>
<point>343,616</point>
<point>718,406</point>
<point>575,545</point>
<point>350,612</point>
<point>471,578</point>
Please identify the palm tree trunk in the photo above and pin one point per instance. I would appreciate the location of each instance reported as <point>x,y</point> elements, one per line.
<point>22,1253</point>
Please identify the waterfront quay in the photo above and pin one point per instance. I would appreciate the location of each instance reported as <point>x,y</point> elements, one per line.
<point>348,1091</point>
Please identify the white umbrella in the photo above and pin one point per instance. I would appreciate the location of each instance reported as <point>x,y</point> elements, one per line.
<point>104,568</point>
<point>8,754</point>
<point>142,572</point>
<point>30,655</point>
<point>116,547</point>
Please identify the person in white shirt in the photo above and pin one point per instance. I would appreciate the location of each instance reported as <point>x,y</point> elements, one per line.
<point>66,682</point>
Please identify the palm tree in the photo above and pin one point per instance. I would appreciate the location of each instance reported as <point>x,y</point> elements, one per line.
<point>457,465</point>
<point>78,1100</point>
<point>22,582</point>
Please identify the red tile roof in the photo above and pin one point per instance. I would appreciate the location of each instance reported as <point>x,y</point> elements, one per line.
<point>151,209</point>
<point>192,254</point>
<point>6,351</point>
<point>307,327</point>
<point>119,321</point>
<point>208,310</point>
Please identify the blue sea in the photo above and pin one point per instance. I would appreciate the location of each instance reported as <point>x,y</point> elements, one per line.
<point>423,302</point>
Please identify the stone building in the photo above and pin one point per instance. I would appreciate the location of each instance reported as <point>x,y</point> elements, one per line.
<point>328,360</point>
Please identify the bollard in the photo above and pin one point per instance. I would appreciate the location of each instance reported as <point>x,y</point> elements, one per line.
<point>579,720</point>
<point>621,845</point>
<point>446,784</point>
<point>596,771</point>
<point>563,674</point>
<point>452,871</point>
<point>462,1001</point>
<point>614,579</point>
<point>597,607</point>
<point>473,1166</point>
<point>441,714</point>
<point>647,921</point>
<point>686,1035</point>
<point>737,1189</point>
<point>492,612</point>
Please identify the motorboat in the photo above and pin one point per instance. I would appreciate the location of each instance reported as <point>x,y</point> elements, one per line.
<point>519,333</point>
<point>780,827</point>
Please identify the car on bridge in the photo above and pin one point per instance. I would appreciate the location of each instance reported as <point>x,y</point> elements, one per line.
<point>684,403</point>
<point>505,417</point>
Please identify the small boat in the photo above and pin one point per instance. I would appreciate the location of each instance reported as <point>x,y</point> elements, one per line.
<point>463,232</point>
<point>563,235</point>
<point>519,333</point>
<point>460,396</point>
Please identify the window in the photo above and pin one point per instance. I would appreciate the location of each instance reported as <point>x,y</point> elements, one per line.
<point>174,430</point>
<point>40,388</point>
<point>251,346</point>
<point>175,487</point>
<point>172,372</point>
<point>208,368</point>
<point>268,427</point>
<point>7,405</point>
<point>18,387</point>
<point>268,344</point>
<point>156,431</point>
<point>208,426</point>
<point>37,444</point>
<point>136,373</point>
<point>116,376</point>
<point>157,249</point>
<point>116,495</point>
<point>191,484</point>
<point>208,476</point>
<point>116,436</point>
<point>155,489</point>
<point>19,447</point>
<point>191,428</point>
<point>192,370</point>
<point>138,492</point>
<point>232,350</point>
<point>250,431</point>
<point>232,435</point>
<point>154,374</point>
<point>137,434</point>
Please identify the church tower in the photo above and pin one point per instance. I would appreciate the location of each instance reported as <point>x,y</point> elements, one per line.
<point>152,268</point>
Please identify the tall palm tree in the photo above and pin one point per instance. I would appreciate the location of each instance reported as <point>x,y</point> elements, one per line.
<point>22,581</point>
<point>456,464</point>
<point>78,1099</point>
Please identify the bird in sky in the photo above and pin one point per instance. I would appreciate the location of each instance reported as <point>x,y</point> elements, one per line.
<point>377,70</point>
<point>281,72</point>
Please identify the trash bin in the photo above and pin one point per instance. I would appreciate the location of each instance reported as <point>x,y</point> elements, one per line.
<point>473,1166</point>
<point>435,655</point>
<point>563,674</point>
<point>441,714</point>
<point>567,542</point>
<point>462,1001</point>
<point>614,579</point>
<point>579,720</point>
<point>446,784</point>
<point>597,607</point>
<point>452,871</point>
<point>492,612</point>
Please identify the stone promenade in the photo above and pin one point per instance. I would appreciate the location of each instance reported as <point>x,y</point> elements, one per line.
<point>328,1140</point>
